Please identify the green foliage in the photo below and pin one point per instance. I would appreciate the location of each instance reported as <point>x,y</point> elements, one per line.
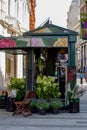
<point>42,105</point>
<point>83,17</point>
<point>33,104</point>
<point>47,87</point>
<point>85,1</point>
<point>40,61</point>
<point>76,92</point>
<point>69,95</point>
<point>40,65</point>
<point>73,83</point>
<point>19,85</point>
<point>56,104</point>
<point>71,89</point>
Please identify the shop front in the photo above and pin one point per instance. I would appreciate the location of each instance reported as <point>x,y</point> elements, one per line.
<point>50,50</point>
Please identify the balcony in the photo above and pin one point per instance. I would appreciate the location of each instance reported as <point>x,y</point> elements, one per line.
<point>11,24</point>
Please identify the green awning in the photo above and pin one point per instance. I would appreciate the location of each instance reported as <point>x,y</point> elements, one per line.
<point>46,36</point>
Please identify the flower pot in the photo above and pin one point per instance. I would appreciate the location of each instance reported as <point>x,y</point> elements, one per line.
<point>74,105</point>
<point>42,111</point>
<point>55,111</point>
<point>33,109</point>
<point>42,105</point>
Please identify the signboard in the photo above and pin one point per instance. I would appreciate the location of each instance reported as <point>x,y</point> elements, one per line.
<point>84,29</point>
<point>83,18</point>
<point>49,42</point>
<point>43,41</point>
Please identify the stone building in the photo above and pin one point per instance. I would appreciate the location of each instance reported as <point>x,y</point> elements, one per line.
<point>83,43</point>
<point>77,8</point>
<point>14,20</point>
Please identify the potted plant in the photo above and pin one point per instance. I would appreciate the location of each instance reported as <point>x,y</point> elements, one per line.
<point>73,97</point>
<point>56,105</point>
<point>16,92</point>
<point>18,84</point>
<point>47,88</point>
<point>32,106</point>
<point>42,106</point>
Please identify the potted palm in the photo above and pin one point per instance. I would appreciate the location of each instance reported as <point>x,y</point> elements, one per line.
<point>42,106</point>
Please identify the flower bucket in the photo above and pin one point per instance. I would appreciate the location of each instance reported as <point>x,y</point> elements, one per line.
<point>74,105</point>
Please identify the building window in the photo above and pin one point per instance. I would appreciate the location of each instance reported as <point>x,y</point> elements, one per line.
<point>2,9</point>
<point>9,6</point>
<point>24,12</point>
<point>8,65</point>
<point>16,9</point>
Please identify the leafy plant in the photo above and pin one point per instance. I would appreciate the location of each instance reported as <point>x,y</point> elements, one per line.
<point>19,85</point>
<point>41,104</point>
<point>47,87</point>
<point>33,104</point>
<point>56,104</point>
<point>76,92</point>
<point>83,17</point>
<point>40,65</point>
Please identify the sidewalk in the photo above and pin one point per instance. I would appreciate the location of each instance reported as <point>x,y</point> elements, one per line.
<point>61,121</point>
<point>78,79</point>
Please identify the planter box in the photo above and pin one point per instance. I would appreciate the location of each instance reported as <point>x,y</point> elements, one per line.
<point>74,106</point>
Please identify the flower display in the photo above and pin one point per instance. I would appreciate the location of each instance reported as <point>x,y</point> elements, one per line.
<point>78,91</point>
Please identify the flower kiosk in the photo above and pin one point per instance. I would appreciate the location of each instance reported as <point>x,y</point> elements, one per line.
<point>50,50</point>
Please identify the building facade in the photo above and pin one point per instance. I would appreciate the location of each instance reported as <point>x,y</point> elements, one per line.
<point>83,44</point>
<point>14,20</point>
<point>77,8</point>
<point>73,22</point>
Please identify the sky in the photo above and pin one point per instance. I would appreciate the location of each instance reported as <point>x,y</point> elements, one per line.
<point>56,10</point>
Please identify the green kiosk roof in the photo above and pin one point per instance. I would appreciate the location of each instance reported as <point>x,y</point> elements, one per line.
<point>50,29</point>
<point>48,35</point>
